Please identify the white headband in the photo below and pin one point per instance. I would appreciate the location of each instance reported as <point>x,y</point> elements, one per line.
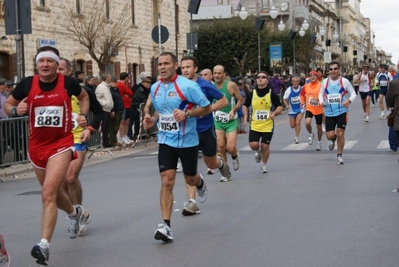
<point>47,54</point>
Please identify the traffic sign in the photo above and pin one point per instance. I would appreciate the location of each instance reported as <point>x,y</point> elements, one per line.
<point>164,34</point>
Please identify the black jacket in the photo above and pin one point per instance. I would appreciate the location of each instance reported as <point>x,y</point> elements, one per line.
<point>140,96</point>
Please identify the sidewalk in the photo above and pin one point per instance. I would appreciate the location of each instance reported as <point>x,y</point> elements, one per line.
<point>18,171</point>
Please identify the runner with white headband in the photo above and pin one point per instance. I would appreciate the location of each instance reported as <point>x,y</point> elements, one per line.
<point>46,99</point>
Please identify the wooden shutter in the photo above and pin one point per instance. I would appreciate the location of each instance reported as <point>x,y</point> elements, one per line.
<point>89,67</point>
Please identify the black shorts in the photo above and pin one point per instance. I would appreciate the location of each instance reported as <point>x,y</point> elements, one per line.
<point>127,114</point>
<point>167,159</point>
<point>364,95</point>
<point>339,121</point>
<point>255,136</point>
<point>318,118</point>
<point>207,142</point>
<point>383,91</point>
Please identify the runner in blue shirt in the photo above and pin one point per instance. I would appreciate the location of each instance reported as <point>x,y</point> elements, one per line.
<point>176,100</point>
<point>205,129</point>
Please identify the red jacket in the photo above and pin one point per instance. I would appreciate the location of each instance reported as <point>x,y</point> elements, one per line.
<point>126,94</point>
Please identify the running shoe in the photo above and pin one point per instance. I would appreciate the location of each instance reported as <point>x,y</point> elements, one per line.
<point>225,178</point>
<point>210,171</point>
<point>340,160</point>
<point>4,257</point>
<point>179,167</point>
<point>318,146</point>
<point>41,253</point>
<point>366,119</point>
<point>264,168</point>
<point>296,141</point>
<point>311,138</point>
<point>86,219</point>
<point>382,116</point>
<point>190,208</point>
<point>225,169</point>
<point>202,193</point>
<point>163,233</point>
<point>258,156</point>
<point>74,222</point>
<point>236,162</point>
<point>331,145</point>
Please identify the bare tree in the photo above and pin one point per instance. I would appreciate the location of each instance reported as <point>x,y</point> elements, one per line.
<point>241,63</point>
<point>100,28</point>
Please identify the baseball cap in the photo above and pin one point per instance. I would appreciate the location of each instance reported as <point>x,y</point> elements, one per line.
<point>2,80</point>
<point>145,80</point>
<point>79,72</point>
<point>10,83</point>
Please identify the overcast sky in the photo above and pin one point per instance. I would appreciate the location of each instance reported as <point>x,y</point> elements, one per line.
<point>385,24</point>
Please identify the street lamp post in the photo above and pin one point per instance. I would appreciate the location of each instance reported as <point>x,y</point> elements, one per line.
<point>304,27</point>
<point>243,13</point>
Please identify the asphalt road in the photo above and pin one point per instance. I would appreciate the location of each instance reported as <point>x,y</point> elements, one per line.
<point>307,211</point>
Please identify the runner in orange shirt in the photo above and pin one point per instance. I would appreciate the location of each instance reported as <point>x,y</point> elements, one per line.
<point>310,99</point>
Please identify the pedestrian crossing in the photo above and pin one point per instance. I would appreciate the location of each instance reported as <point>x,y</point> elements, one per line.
<point>384,145</point>
<point>352,144</point>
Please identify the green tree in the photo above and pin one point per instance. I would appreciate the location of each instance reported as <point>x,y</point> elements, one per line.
<point>232,43</point>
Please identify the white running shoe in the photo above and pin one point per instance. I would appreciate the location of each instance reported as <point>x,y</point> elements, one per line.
<point>179,167</point>
<point>340,160</point>
<point>258,156</point>
<point>382,116</point>
<point>311,138</point>
<point>264,168</point>
<point>236,162</point>
<point>296,140</point>
<point>163,233</point>
<point>202,193</point>
<point>318,146</point>
<point>41,253</point>
<point>74,222</point>
<point>210,171</point>
<point>331,145</point>
<point>225,179</point>
<point>366,119</point>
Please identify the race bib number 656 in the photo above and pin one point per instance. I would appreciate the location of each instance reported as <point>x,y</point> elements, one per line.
<point>49,116</point>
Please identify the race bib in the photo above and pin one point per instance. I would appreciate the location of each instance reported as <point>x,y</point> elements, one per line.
<point>75,120</point>
<point>221,116</point>
<point>383,83</point>
<point>261,115</point>
<point>295,100</point>
<point>50,116</point>
<point>168,123</point>
<point>313,101</point>
<point>334,98</point>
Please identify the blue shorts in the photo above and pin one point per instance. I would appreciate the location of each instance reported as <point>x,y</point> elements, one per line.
<point>81,146</point>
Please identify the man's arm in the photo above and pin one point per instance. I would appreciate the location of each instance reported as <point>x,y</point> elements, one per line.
<point>11,103</point>
<point>234,91</point>
<point>221,103</point>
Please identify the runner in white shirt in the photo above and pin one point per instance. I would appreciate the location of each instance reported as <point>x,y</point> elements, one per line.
<point>364,80</point>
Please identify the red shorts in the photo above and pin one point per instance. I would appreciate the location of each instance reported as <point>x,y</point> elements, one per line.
<point>40,157</point>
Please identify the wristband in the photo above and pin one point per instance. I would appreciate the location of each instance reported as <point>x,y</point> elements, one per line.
<point>14,112</point>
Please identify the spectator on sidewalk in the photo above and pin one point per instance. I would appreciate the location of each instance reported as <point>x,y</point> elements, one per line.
<point>104,97</point>
<point>116,113</point>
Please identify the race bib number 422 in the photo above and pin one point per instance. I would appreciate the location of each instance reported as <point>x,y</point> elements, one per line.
<point>168,123</point>
<point>49,116</point>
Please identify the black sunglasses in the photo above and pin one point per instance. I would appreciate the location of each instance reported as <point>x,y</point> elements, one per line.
<point>261,77</point>
<point>333,68</point>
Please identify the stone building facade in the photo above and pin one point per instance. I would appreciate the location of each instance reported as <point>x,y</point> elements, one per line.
<point>48,19</point>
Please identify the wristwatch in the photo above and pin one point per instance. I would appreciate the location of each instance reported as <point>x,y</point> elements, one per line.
<point>187,115</point>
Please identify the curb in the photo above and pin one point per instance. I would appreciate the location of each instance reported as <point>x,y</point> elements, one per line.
<point>97,157</point>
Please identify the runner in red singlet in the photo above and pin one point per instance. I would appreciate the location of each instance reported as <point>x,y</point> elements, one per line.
<point>46,99</point>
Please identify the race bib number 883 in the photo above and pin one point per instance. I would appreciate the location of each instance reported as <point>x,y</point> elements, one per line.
<point>49,116</point>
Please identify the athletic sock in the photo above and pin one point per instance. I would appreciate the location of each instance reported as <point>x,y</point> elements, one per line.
<point>167,222</point>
